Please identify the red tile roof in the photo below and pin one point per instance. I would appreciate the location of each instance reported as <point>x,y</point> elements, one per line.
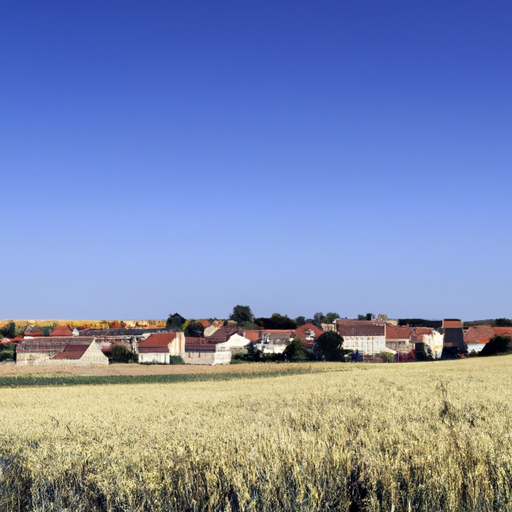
<point>359,328</point>
<point>223,334</point>
<point>422,330</point>
<point>503,331</point>
<point>192,343</point>
<point>33,332</point>
<point>395,332</point>
<point>61,330</point>
<point>204,323</point>
<point>51,345</point>
<point>72,351</point>
<point>478,334</point>
<point>300,332</point>
<point>158,340</point>
<point>252,335</point>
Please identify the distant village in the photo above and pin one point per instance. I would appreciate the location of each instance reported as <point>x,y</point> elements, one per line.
<point>242,338</point>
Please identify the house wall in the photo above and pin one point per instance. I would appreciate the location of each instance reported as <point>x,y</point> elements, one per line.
<point>208,357</point>
<point>156,357</point>
<point>93,355</point>
<point>177,345</point>
<point>31,358</point>
<point>271,348</point>
<point>435,342</point>
<point>477,347</point>
<point>402,345</point>
<point>365,344</point>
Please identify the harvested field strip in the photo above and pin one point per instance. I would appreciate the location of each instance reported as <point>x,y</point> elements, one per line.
<point>45,379</point>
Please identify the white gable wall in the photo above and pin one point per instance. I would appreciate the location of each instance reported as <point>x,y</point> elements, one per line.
<point>366,344</point>
<point>236,341</point>
<point>93,355</point>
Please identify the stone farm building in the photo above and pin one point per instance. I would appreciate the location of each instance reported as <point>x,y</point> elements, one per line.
<point>75,350</point>
<point>207,352</point>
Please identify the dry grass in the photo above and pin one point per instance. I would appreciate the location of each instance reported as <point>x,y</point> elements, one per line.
<point>386,437</point>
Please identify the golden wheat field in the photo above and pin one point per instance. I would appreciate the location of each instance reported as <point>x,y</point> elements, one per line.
<point>424,436</point>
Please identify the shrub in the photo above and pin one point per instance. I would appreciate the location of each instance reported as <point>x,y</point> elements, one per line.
<point>121,354</point>
<point>294,350</point>
<point>6,355</point>
<point>387,357</point>
<point>329,347</point>
<point>497,345</point>
<point>8,352</point>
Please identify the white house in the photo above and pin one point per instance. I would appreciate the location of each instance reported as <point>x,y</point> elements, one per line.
<point>362,335</point>
<point>158,348</point>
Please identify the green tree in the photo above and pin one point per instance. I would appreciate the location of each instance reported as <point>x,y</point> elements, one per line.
<point>249,326</point>
<point>497,345</point>
<point>194,329</point>
<point>387,357</point>
<point>329,347</point>
<point>242,314</point>
<point>331,317</point>
<point>502,322</point>
<point>175,322</point>
<point>300,320</point>
<point>318,318</point>
<point>368,316</point>
<point>8,330</point>
<point>121,354</point>
<point>253,354</point>
<point>276,321</point>
<point>8,352</point>
<point>295,350</point>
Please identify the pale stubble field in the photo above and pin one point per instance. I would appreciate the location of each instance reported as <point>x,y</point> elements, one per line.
<point>423,436</point>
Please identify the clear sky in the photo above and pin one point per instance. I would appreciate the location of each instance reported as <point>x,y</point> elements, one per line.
<point>293,156</point>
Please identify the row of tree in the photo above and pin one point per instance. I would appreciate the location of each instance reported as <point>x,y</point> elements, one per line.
<point>244,317</point>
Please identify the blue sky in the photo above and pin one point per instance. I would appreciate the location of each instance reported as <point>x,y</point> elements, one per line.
<point>292,156</point>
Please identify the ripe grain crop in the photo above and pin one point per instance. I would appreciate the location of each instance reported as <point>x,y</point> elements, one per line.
<point>426,436</point>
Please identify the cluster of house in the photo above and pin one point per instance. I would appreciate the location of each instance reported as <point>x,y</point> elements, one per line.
<point>220,342</point>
